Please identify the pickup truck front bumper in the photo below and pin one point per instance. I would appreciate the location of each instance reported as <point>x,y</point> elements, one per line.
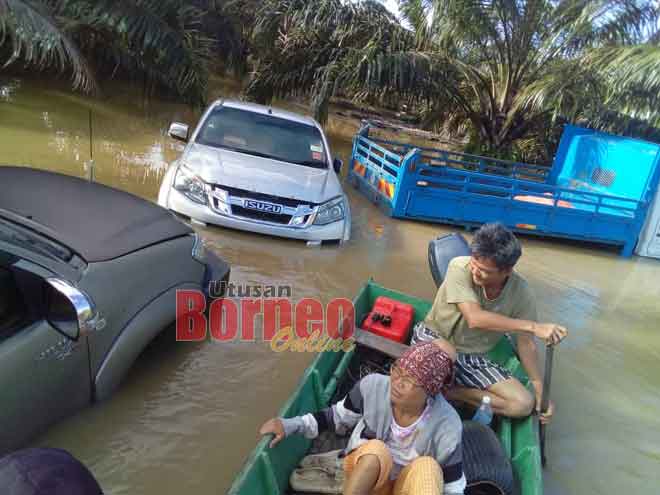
<point>336,231</point>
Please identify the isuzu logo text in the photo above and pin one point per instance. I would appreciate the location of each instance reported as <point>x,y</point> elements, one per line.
<point>260,206</point>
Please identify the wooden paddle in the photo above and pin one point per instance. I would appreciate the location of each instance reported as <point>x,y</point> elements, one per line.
<point>545,398</point>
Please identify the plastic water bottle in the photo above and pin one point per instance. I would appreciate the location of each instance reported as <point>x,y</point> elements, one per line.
<point>485,413</point>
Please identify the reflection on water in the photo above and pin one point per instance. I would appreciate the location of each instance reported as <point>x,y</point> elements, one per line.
<point>7,89</point>
<point>187,415</point>
<point>50,129</point>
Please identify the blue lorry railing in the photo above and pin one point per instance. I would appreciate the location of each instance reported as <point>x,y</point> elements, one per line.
<point>471,182</point>
<point>466,161</point>
<point>381,165</point>
<point>378,157</point>
<point>456,188</point>
<point>378,166</point>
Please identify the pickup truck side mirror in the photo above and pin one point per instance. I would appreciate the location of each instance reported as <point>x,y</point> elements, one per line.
<point>70,311</point>
<point>337,164</point>
<point>178,131</point>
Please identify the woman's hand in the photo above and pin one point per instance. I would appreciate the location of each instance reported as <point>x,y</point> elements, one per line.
<point>275,427</point>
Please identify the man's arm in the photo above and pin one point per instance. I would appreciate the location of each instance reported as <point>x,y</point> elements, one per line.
<point>461,291</point>
<point>529,359</point>
<point>528,354</point>
<point>479,318</point>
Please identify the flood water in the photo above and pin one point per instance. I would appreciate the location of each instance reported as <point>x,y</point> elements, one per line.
<point>187,416</point>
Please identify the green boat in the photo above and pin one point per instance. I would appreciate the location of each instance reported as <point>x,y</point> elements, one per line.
<point>331,375</point>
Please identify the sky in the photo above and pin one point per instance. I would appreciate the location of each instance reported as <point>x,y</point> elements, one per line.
<point>392,6</point>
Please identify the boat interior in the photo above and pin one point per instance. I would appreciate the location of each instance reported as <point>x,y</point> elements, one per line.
<point>375,354</point>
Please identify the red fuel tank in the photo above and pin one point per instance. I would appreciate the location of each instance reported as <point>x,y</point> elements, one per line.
<point>389,318</point>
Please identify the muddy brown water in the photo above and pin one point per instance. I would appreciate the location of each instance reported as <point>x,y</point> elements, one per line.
<point>186,417</point>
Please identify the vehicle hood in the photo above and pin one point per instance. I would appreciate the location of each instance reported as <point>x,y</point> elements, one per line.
<point>97,222</point>
<point>263,175</point>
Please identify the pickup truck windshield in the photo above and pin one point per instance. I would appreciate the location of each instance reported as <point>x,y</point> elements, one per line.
<point>19,236</point>
<point>265,136</point>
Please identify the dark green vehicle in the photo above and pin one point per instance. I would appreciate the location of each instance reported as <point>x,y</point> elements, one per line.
<point>88,278</point>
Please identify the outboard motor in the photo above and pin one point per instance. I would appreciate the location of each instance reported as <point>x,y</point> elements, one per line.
<point>441,252</point>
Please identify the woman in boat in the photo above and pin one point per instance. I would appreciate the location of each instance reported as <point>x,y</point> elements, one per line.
<point>406,438</point>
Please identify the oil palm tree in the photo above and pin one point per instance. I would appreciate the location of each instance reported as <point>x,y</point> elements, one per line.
<point>503,73</point>
<point>230,23</point>
<point>30,33</point>
<point>157,40</point>
<point>307,47</point>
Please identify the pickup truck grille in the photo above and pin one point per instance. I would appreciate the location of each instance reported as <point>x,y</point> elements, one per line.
<point>289,207</point>
<point>242,193</point>
<point>239,211</point>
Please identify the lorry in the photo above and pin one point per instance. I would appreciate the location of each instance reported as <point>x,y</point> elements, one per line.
<point>599,187</point>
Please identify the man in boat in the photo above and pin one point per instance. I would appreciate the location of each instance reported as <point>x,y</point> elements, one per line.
<point>480,300</point>
<point>406,438</point>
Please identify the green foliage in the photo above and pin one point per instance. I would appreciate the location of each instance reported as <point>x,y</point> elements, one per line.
<point>318,48</point>
<point>30,33</point>
<point>503,74</point>
<point>157,40</point>
<point>233,21</point>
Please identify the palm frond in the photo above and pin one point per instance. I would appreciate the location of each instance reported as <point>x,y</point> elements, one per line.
<point>36,39</point>
<point>160,39</point>
<point>505,74</point>
<point>307,47</point>
<point>627,67</point>
<point>417,14</point>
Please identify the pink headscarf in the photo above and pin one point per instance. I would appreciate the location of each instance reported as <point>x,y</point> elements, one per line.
<point>430,366</point>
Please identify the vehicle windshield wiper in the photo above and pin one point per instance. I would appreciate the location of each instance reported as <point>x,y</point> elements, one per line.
<point>306,163</point>
<point>248,152</point>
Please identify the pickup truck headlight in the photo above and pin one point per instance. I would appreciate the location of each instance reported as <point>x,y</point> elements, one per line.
<point>329,212</point>
<point>190,185</point>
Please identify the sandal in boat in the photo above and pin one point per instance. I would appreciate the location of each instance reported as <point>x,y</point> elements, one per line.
<point>328,460</point>
<point>319,473</point>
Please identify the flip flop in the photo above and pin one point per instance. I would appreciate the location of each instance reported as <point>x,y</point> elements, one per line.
<point>319,473</point>
<point>327,460</point>
<point>317,480</point>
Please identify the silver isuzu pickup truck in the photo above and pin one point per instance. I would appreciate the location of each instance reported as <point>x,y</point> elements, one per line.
<point>258,168</point>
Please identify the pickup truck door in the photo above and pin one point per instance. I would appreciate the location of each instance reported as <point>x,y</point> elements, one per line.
<point>44,374</point>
